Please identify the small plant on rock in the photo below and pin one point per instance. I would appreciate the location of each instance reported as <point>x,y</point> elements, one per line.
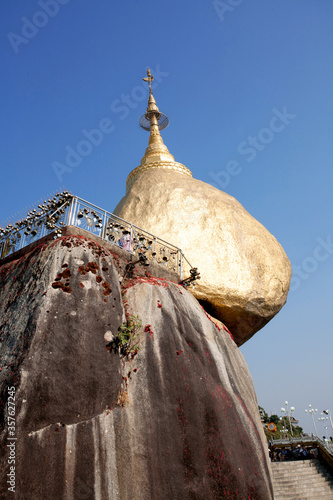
<point>129,336</point>
<point>123,398</point>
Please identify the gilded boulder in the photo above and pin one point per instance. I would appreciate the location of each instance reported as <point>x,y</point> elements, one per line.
<point>245,273</point>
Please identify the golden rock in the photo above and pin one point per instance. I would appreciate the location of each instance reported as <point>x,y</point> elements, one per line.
<point>245,273</point>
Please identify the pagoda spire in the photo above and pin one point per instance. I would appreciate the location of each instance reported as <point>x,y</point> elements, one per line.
<point>157,154</point>
<point>154,121</point>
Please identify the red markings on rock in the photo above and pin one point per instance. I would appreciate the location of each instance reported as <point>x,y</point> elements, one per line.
<point>66,274</point>
<point>149,330</point>
<point>159,304</point>
<point>107,288</point>
<point>93,267</point>
<point>81,285</point>
<point>65,243</point>
<point>248,415</point>
<point>62,286</point>
<point>217,326</point>
<point>99,278</point>
<point>82,270</point>
<point>142,279</point>
<point>226,329</point>
<point>179,352</point>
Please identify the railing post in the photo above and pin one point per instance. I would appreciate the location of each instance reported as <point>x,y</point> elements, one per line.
<point>69,208</point>
<point>42,231</point>
<point>178,262</point>
<point>181,265</point>
<point>75,204</point>
<point>103,232</point>
<point>71,211</point>
<point>131,239</point>
<point>23,239</point>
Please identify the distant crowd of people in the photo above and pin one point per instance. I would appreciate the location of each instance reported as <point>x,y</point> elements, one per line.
<point>293,453</point>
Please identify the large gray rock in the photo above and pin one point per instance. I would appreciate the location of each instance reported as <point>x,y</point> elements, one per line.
<point>178,421</point>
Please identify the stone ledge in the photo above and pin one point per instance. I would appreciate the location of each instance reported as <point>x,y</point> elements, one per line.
<point>156,270</point>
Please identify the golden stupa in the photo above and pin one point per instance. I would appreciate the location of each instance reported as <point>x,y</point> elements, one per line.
<point>245,273</point>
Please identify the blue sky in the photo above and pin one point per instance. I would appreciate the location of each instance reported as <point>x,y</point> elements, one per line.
<point>223,74</point>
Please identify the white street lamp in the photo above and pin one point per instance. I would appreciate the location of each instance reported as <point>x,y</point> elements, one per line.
<point>311,411</point>
<point>323,420</point>
<point>288,411</point>
<point>329,413</point>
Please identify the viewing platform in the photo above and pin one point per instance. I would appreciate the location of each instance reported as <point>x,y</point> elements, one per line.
<point>64,210</point>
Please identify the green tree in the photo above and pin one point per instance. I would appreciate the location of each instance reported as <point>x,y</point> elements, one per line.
<point>275,419</point>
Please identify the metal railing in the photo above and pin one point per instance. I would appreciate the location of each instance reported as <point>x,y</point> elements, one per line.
<point>303,440</point>
<point>68,210</point>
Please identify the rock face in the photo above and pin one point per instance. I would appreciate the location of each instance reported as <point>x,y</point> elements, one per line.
<point>177,420</point>
<point>245,272</point>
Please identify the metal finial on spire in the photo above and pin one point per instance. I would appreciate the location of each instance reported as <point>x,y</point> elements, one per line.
<point>149,79</point>
<point>153,119</point>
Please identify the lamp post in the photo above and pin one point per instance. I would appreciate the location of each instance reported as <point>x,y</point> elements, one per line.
<point>288,411</point>
<point>324,419</point>
<point>311,411</point>
<point>285,432</point>
<point>329,413</point>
